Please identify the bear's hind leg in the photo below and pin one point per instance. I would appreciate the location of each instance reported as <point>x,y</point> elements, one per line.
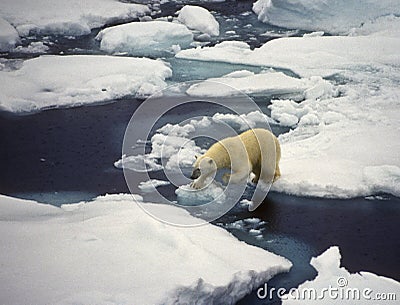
<point>277,173</point>
<point>257,173</point>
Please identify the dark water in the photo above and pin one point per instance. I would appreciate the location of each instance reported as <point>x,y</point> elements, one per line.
<point>67,155</point>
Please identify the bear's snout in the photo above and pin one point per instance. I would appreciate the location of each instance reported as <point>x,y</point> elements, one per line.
<point>195,174</point>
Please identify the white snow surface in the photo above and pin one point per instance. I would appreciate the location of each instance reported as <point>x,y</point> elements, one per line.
<point>212,191</point>
<point>152,38</point>
<point>73,17</point>
<point>265,83</point>
<point>200,19</point>
<point>336,16</point>
<point>361,288</point>
<point>54,81</point>
<point>151,185</point>
<point>342,145</point>
<point>306,56</point>
<point>109,251</point>
<point>8,36</point>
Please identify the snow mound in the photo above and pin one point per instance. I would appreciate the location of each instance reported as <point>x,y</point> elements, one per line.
<point>54,81</point>
<point>151,185</point>
<point>72,17</point>
<point>8,36</point>
<point>186,195</point>
<point>265,83</point>
<point>153,38</point>
<point>33,48</point>
<point>347,288</point>
<point>330,16</point>
<point>200,19</point>
<point>108,252</point>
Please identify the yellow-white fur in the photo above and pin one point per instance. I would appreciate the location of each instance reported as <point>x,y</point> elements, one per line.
<point>255,150</point>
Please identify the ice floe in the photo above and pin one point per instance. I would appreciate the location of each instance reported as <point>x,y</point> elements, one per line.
<point>72,17</point>
<point>348,124</point>
<point>186,195</point>
<point>264,83</point>
<point>306,56</point>
<point>335,285</point>
<point>60,81</point>
<point>200,19</point>
<point>330,16</point>
<point>8,36</point>
<point>152,38</point>
<point>109,251</point>
<point>151,185</point>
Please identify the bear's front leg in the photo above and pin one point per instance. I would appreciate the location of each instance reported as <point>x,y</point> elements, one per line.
<point>198,183</point>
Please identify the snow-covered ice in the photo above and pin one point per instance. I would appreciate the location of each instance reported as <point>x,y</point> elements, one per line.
<point>346,287</point>
<point>33,48</point>
<point>151,185</point>
<point>54,81</point>
<point>200,19</point>
<point>186,195</point>
<point>8,36</point>
<point>306,56</point>
<point>152,38</point>
<point>73,17</point>
<point>109,251</point>
<point>346,129</point>
<point>264,83</point>
<point>331,16</point>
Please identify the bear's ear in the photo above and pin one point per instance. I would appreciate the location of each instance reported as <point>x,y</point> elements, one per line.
<point>210,161</point>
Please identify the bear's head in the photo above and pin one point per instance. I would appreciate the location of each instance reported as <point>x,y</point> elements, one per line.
<point>203,166</point>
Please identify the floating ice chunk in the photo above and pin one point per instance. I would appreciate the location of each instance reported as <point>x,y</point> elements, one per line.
<point>186,195</point>
<point>200,19</point>
<point>246,203</point>
<point>178,130</point>
<point>151,185</point>
<point>314,34</point>
<point>33,47</point>
<point>244,121</point>
<point>309,119</point>
<point>8,36</point>
<point>239,82</point>
<point>287,112</point>
<point>332,16</point>
<point>203,38</point>
<point>67,17</point>
<point>253,221</point>
<point>171,144</point>
<point>255,232</point>
<point>153,38</point>
<point>286,119</point>
<point>139,163</point>
<point>60,81</point>
<point>57,255</point>
<point>355,288</point>
<point>319,88</point>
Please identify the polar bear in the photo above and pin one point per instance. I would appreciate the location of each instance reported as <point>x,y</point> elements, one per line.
<point>255,150</point>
